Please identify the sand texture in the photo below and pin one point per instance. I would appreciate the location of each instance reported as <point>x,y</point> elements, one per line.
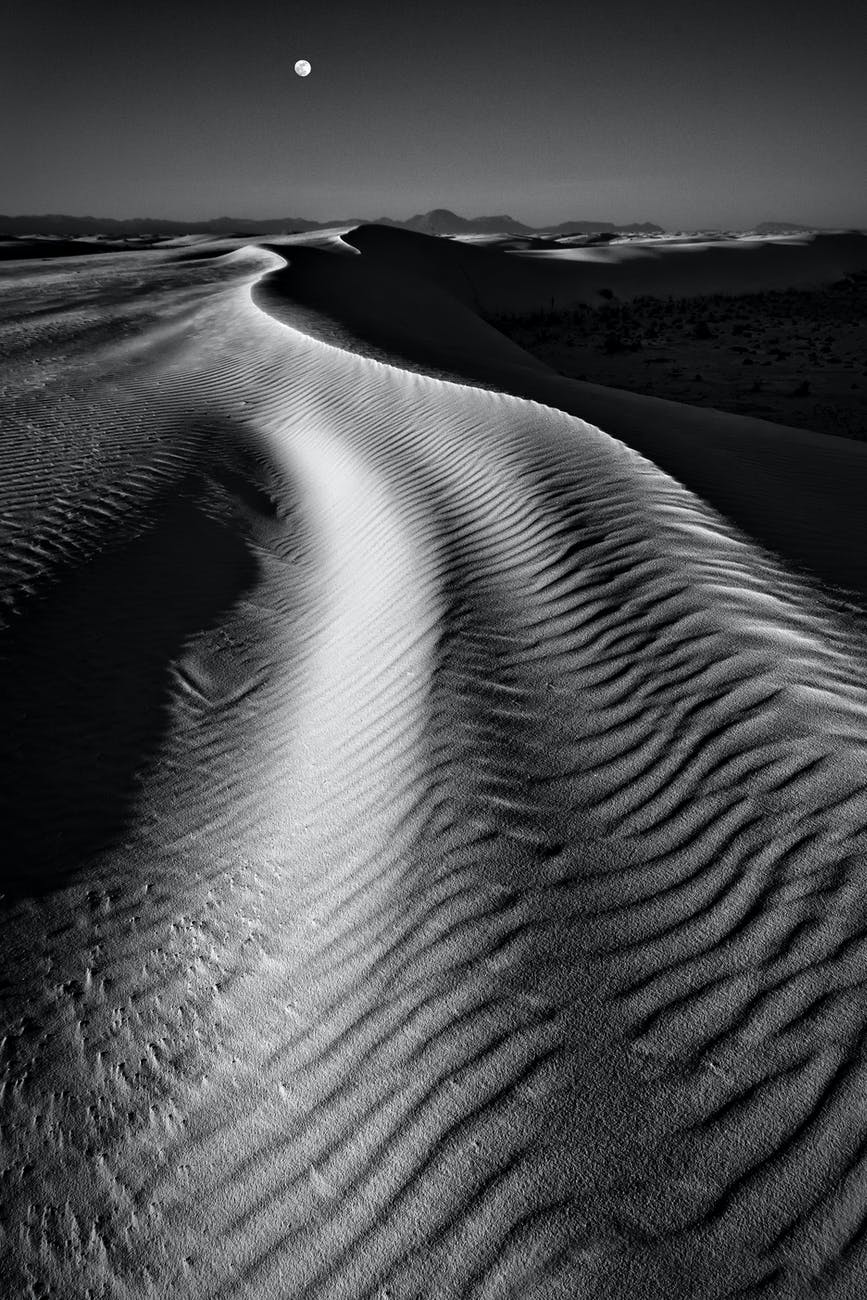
<point>434,809</point>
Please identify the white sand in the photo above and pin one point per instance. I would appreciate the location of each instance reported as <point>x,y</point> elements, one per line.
<point>436,833</point>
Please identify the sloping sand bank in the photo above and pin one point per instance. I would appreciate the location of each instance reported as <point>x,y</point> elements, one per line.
<point>800,494</point>
<point>476,902</point>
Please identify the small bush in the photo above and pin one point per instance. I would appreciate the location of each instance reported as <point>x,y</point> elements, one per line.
<point>614,343</point>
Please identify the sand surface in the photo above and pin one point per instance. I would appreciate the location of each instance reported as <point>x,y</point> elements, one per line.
<point>433,792</point>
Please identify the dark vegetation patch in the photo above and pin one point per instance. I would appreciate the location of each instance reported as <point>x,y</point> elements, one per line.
<point>795,357</point>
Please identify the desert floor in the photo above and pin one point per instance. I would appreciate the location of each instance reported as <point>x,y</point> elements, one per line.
<point>796,357</point>
<point>434,810</point>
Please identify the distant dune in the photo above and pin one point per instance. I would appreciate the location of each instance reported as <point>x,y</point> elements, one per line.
<point>434,790</point>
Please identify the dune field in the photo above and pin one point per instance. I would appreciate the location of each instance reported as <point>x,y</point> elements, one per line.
<point>434,807</point>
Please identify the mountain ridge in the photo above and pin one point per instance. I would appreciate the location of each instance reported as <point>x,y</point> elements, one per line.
<point>438,221</point>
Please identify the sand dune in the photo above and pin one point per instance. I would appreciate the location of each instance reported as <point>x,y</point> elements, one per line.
<point>437,820</point>
<point>512,281</point>
<point>797,493</point>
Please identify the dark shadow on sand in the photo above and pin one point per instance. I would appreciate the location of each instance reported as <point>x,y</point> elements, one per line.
<point>86,677</point>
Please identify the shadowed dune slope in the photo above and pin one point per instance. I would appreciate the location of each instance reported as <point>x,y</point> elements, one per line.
<point>486,917</point>
<point>798,493</point>
<point>495,281</point>
<point>87,672</point>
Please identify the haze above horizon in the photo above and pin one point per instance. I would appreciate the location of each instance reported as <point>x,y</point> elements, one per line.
<point>690,119</point>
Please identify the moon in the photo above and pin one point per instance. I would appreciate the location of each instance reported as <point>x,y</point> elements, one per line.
<point>302,67</point>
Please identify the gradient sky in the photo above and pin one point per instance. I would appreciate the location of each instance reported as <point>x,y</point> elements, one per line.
<point>719,114</point>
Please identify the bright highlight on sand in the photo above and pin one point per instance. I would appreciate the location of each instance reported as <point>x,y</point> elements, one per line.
<point>302,67</point>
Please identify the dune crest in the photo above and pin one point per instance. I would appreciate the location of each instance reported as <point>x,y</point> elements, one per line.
<point>797,493</point>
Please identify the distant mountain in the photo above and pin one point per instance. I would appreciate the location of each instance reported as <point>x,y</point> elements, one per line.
<point>439,221</point>
<point>603,227</point>
<point>60,224</point>
<point>641,228</point>
<point>782,228</point>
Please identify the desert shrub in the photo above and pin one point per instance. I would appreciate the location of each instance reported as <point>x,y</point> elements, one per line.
<point>614,342</point>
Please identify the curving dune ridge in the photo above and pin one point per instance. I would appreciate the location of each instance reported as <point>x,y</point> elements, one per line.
<point>436,834</point>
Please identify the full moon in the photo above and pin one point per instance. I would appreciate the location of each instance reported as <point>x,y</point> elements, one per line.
<point>302,67</point>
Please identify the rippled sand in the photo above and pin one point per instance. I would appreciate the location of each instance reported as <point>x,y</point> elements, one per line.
<point>434,822</point>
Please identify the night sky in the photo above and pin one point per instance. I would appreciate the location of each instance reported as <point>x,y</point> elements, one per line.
<point>721,114</point>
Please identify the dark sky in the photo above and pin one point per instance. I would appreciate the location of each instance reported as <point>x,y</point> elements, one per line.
<point>717,113</point>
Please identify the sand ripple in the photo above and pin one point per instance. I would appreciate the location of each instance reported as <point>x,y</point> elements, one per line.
<point>437,834</point>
